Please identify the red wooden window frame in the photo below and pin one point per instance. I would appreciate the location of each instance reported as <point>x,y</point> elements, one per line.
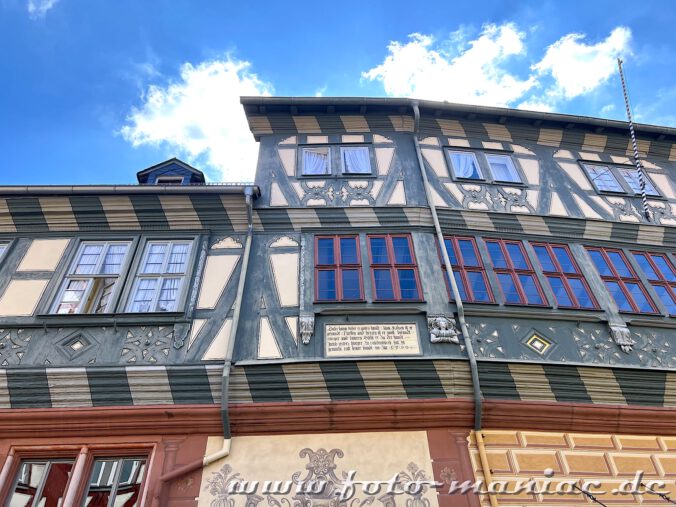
<point>337,267</point>
<point>660,281</point>
<point>462,270</point>
<point>514,273</point>
<point>622,280</point>
<point>393,267</point>
<point>565,277</point>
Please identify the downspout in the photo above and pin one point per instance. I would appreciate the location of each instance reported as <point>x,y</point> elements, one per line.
<point>224,451</point>
<point>474,370</point>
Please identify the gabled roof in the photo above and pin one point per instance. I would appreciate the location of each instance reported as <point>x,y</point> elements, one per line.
<point>198,176</point>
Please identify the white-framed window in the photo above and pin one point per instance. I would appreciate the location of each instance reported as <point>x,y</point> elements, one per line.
<point>92,278</point>
<point>316,161</point>
<point>625,180</point>
<point>465,165</point>
<point>169,180</point>
<point>355,159</point>
<point>160,277</point>
<point>503,168</point>
<point>603,178</point>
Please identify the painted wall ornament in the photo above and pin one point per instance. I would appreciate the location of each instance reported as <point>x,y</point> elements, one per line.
<point>442,329</point>
<point>622,337</point>
<point>307,328</point>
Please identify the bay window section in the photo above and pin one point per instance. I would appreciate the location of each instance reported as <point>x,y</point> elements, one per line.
<point>160,277</point>
<point>468,270</point>
<point>621,281</point>
<point>394,272</point>
<point>338,269</point>
<point>516,277</point>
<point>92,278</point>
<point>661,274</point>
<point>563,274</point>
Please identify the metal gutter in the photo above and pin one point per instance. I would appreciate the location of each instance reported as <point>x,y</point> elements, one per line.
<point>218,188</point>
<point>224,451</point>
<point>449,107</point>
<point>478,396</point>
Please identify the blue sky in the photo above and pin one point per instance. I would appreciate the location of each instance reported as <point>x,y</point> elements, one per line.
<point>95,90</point>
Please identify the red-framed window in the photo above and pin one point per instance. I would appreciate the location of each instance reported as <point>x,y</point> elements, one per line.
<point>621,280</point>
<point>394,272</point>
<point>517,280</point>
<point>105,477</point>
<point>564,276</point>
<point>468,270</point>
<point>659,270</point>
<point>338,274</point>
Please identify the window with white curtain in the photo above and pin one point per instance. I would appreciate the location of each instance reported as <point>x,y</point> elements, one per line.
<point>465,165</point>
<point>160,277</point>
<point>316,161</point>
<point>503,169</point>
<point>356,160</point>
<point>92,278</point>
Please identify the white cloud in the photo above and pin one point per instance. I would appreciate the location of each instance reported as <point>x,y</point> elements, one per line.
<point>578,68</point>
<point>200,117</point>
<point>38,8</point>
<point>480,71</point>
<point>455,70</point>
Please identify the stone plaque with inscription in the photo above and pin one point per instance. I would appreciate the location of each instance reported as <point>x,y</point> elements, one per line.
<point>350,340</point>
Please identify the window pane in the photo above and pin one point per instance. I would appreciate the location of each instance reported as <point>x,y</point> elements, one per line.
<point>356,160</point>
<point>407,284</point>
<point>450,250</point>
<point>348,251</point>
<point>402,251</point>
<point>544,258</point>
<point>55,484</point>
<point>113,259</point>
<point>460,283</point>
<point>620,266</point>
<point>129,483</point>
<point>665,267</point>
<point>325,254</point>
<point>508,288</point>
<point>72,296</point>
<point>478,285</point>
<point>564,259</point>
<point>99,297</point>
<point>503,168</point>
<point>168,294</point>
<point>619,296</point>
<point>378,251</point>
<point>559,290</point>
<point>351,288</point>
<point>600,262</point>
<point>465,165</point>
<point>316,161</point>
<point>30,476</point>
<point>666,298</point>
<point>143,296</point>
<point>639,298</point>
<point>154,258</point>
<point>516,255</point>
<point>646,267</point>
<point>467,252</point>
<point>89,256</point>
<point>581,293</point>
<point>3,247</point>
<point>382,279</point>
<point>530,288</point>
<point>101,483</point>
<point>178,258</point>
<point>497,256</point>
<point>603,178</point>
<point>631,177</point>
<point>326,285</point>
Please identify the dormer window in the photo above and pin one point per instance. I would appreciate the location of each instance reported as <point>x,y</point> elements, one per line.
<point>169,180</point>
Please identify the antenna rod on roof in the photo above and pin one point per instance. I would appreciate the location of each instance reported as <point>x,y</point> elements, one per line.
<point>637,161</point>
